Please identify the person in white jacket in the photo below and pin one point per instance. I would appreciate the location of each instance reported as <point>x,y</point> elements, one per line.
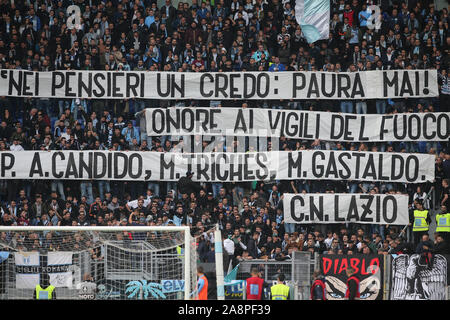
<point>16,146</point>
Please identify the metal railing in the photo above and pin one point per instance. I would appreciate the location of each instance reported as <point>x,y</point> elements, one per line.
<point>297,271</point>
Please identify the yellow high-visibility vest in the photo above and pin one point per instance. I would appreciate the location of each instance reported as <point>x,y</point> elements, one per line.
<point>180,252</point>
<point>420,220</point>
<point>279,292</point>
<point>44,294</point>
<point>443,222</point>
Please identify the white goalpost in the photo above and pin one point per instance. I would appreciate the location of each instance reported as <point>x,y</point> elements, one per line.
<point>101,263</point>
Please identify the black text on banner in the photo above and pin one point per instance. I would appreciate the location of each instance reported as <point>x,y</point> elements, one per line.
<point>218,167</point>
<point>319,208</point>
<point>376,84</point>
<point>310,125</point>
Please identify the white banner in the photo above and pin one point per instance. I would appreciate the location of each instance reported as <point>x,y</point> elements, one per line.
<point>375,84</point>
<point>61,260</point>
<point>29,267</point>
<point>218,167</point>
<point>415,278</point>
<point>296,124</point>
<point>318,208</point>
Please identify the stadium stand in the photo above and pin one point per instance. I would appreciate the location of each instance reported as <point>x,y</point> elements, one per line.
<point>220,35</point>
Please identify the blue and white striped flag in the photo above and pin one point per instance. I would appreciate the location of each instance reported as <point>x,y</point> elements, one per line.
<point>313,16</point>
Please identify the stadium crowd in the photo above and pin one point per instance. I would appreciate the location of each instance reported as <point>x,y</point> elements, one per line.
<point>220,35</point>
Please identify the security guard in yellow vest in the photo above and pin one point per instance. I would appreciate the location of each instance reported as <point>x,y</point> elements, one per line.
<point>421,222</point>
<point>44,290</point>
<point>443,223</point>
<point>180,253</point>
<point>280,291</point>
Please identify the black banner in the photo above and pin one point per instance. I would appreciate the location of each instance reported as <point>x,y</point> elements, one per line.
<point>369,269</point>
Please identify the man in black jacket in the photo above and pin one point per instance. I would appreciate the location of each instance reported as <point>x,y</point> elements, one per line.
<point>424,245</point>
<point>440,245</point>
<point>252,246</point>
<point>186,185</point>
<point>169,10</point>
<point>322,246</point>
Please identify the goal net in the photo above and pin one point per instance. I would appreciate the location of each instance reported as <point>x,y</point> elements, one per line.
<point>112,263</point>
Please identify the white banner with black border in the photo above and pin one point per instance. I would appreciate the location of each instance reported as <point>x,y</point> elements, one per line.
<point>218,167</point>
<point>29,266</point>
<point>325,208</point>
<point>375,84</point>
<point>309,125</point>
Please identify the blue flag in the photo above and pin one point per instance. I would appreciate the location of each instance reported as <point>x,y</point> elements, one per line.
<point>313,16</point>
<point>3,256</point>
<point>232,275</point>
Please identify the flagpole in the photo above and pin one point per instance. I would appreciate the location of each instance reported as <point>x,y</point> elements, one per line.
<point>219,263</point>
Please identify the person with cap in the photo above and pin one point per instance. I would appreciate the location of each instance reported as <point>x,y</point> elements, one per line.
<point>280,291</point>
<point>353,288</point>
<point>211,202</point>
